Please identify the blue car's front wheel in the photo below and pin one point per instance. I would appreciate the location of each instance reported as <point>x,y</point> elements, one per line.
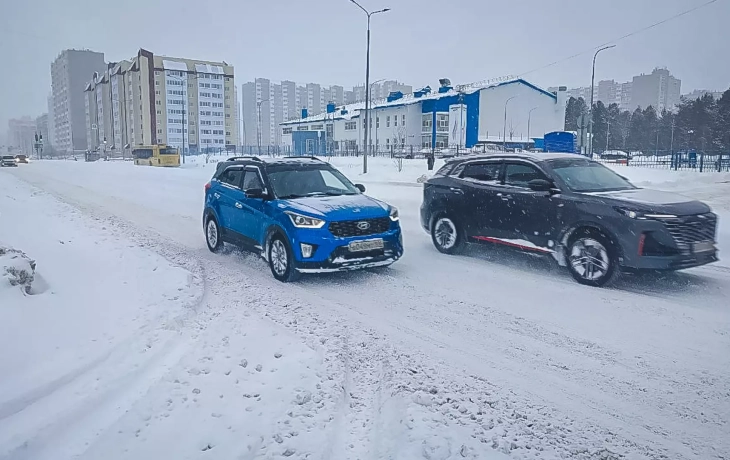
<point>281,260</point>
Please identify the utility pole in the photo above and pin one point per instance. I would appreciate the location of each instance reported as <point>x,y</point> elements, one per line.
<point>608,131</point>
<point>367,85</point>
<point>504,132</point>
<point>593,83</point>
<point>258,125</point>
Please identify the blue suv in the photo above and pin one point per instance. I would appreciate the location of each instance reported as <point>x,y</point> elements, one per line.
<point>301,214</point>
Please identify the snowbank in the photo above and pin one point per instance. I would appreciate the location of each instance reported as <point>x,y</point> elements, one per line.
<point>101,307</point>
<point>16,269</point>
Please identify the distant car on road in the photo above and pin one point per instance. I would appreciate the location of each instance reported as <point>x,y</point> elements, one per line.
<point>21,159</point>
<point>7,160</point>
<point>301,214</point>
<point>589,218</point>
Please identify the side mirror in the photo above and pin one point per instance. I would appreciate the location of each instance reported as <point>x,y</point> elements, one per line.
<point>360,187</point>
<point>255,193</point>
<point>540,185</point>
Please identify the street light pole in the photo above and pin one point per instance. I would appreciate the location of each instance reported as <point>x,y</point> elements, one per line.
<point>504,132</point>
<point>258,125</point>
<point>593,83</point>
<point>529,116</point>
<point>367,85</point>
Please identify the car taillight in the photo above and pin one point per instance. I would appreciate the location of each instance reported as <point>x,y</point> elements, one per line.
<point>207,186</point>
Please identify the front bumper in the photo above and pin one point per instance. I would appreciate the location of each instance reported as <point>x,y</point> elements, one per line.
<point>675,262</point>
<point>671,243</point>
<point>333,255</point>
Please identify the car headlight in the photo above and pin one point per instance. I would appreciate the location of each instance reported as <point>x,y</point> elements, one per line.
<point>394,214</point>
<point>633,214</point>
<point>302,221</point>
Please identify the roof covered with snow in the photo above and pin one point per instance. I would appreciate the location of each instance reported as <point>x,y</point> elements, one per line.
<point>174,65</point>
<point>354,109</point>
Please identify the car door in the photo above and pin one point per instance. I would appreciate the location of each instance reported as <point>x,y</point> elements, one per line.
<point>479,182</point>
<point>227,195</point>
<point>530,215</point>
<point>250,219</point>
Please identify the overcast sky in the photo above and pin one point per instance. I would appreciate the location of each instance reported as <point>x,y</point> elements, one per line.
<point>323,41</point>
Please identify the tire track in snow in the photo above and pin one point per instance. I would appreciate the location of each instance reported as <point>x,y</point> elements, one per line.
<point>496,416</point>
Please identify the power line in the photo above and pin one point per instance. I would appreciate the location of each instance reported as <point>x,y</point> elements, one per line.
<point>630,34</point>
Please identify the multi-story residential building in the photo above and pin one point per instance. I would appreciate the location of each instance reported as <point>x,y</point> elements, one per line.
<point>149,99</point>
<point>69,74</point>
<point>284,101</point>
<point>659,89</point>
<point>21,135</point>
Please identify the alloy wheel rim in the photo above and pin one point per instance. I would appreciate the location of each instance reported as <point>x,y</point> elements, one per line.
<point>278,257</point>
<point>445,233</point>
<point>212,234</point>
<point>589,259</point>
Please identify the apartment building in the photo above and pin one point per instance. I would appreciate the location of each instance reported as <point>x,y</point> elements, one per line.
<point>658,89</point>
<point>69,75</point>
<point>149,99</point>
<point>21,135</point>
<point>279,102</point>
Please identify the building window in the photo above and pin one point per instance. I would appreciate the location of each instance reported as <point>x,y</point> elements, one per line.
<point>403,120</point>
<point>426,124</point>
<point>442,123</point>
<point>317,128</point>
<point>288,130</point>
<point>350,125</point>
<point>395,120</point>
<point>302,128</point>
<point>426,142</point>
<point>442,141</point>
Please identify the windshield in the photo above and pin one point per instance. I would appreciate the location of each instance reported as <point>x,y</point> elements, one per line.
<point>588,176</point>
<point>299,183</point>
<point>168,151</point>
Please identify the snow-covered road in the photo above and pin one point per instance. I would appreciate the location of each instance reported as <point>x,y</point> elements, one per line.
<point>437,357</point>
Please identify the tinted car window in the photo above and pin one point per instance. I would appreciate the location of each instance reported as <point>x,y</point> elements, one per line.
<point>252,180</point>
<point>232,177</point>
<point>301,182</point>
<point>483,172</point>
<point>588,176</point>
<point>520,175</point>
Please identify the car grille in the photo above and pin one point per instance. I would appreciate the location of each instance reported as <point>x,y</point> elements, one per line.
<point>691,229</point>
<point>347,228</point>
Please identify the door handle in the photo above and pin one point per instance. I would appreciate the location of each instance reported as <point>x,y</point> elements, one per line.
<point>217,195</point>
<point>458,191</point>
<point>504,197</point>
<point>239,205</point>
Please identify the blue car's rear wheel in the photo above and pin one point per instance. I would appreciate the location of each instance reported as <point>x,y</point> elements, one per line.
<point>213,235</point>
<point>281,260</point>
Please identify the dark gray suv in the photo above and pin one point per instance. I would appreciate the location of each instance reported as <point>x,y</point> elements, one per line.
<point>585,215</point>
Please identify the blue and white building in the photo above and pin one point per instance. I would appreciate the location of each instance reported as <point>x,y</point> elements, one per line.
<point>461,117</point>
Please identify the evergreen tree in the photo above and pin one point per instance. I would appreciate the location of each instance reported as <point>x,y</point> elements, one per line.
<point>573,110</point>
<point>600,126</point>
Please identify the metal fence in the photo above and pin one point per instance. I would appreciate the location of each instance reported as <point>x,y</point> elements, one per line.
<point>700,161</point>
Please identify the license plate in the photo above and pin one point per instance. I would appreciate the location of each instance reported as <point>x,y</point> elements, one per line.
<point>703,246</point>
<point>369,245</point>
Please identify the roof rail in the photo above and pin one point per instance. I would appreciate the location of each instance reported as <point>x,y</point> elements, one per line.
<point>245,157</point>
<point>310,157</point>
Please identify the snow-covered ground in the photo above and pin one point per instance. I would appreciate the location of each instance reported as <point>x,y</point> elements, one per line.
<point>492,355</point>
